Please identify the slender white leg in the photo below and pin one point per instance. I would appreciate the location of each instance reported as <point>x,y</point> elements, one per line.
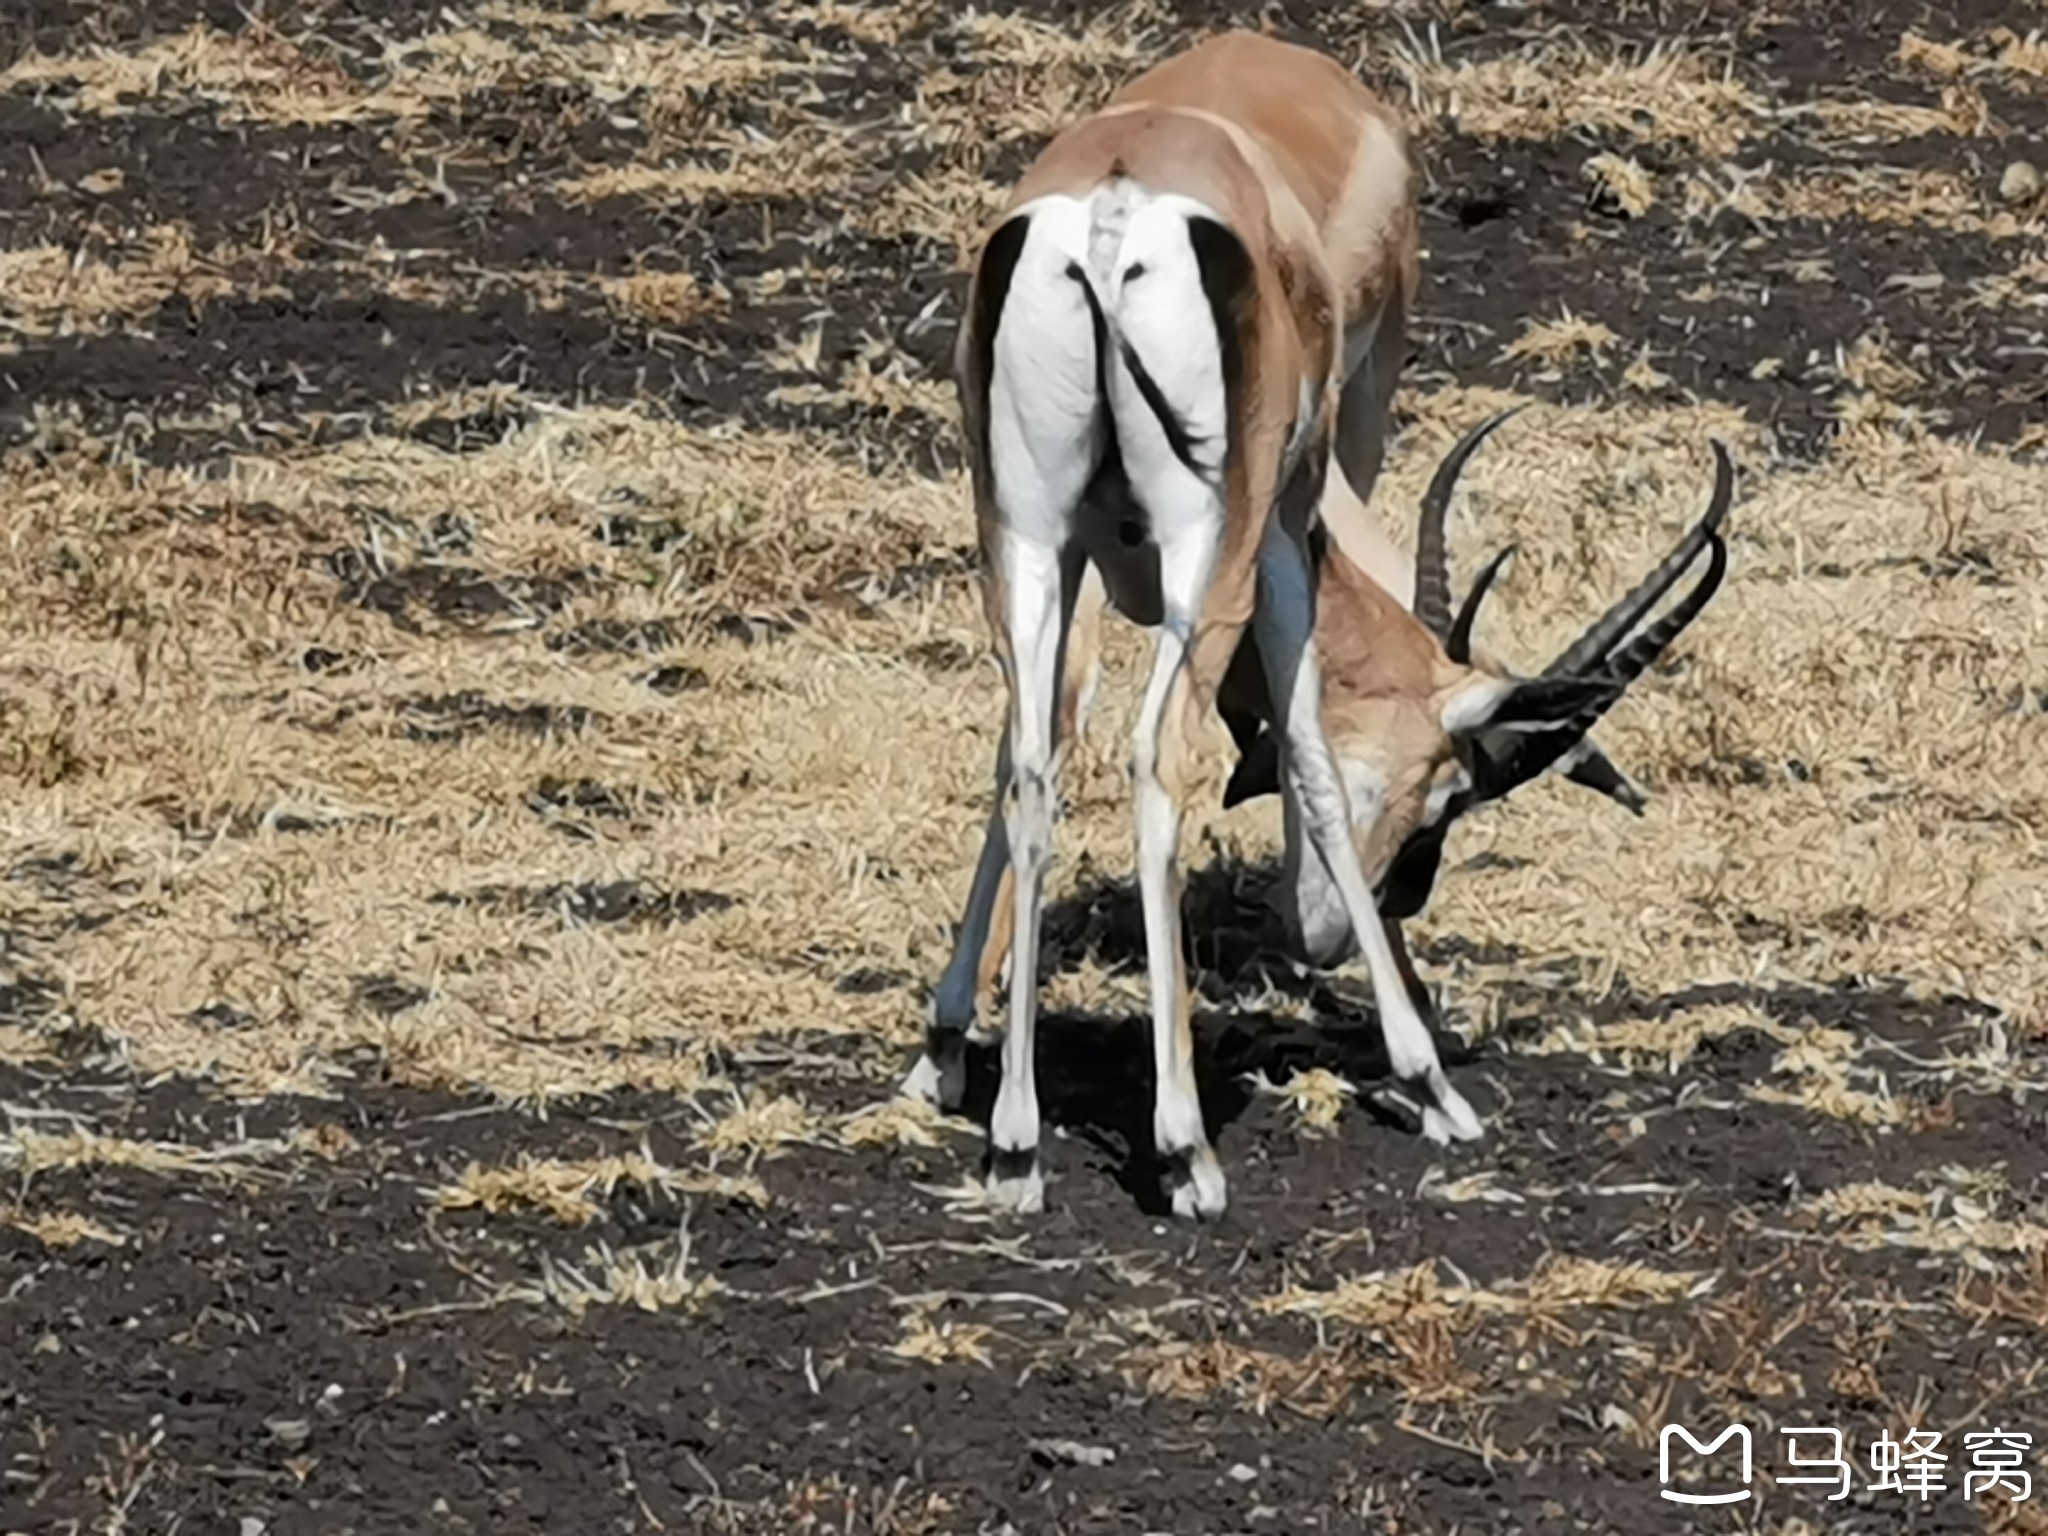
<point>1307,898</point>
<point>1285,618</point>
<point>939,1077</point>
<point>1194,1178</point>
<point>1040,585</point>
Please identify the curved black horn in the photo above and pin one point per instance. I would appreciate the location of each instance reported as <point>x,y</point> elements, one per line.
<point>1628,664</point>
<point>1592,646</point>
<point>1458,643</point>
<point>1432,579</point>
<point>1534,753</point>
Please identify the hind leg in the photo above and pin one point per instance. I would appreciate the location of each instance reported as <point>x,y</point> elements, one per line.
<point>1194,1178</point>
<point>982,945</point>
<point>1040,589</point>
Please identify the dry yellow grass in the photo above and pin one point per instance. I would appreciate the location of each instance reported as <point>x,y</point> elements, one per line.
<point>664,298</point>
<point>1656,1045</point>
<point>1663,94</point>
<point>278,923</point>
<point>1961,1223</point>
<point>1633,188</point>
<point>1935,199</point>
<point>61,1229</point>
<point>569,1192</point>
<point>242,75</point>
<point>1556,342</point>
<point>658,1278</point>
<point>1903,845</point>
<point>1315,1095</point>
<point>49,290</point>
<point>1383,1301</point>
<point>930,1341</point>
<point>263,76</point>
<point>1999,51</point>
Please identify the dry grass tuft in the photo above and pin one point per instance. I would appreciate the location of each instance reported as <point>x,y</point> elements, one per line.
<point>929,1341</point>
<point>1945,59</point>
<point>2024,55</point>
<point>1864,121</point>
<point>244,76</point>
<point>1665,95</point>
<point>1964,1224</point>
<point>61,1229</point>
<point>1404,1298</point>
<point>48,290</point>
<point>571,1192</point>
<point>759,1128</point>
<point>1660,1044</point>
<point>817,165</point>
<point>32,1152</point>
<point>1933,199</point>
<point>1316,1096</point>
<point>1623,178</point>
<point>665,298</point>
<point>1870,366</point>
<point>2000,51</point>
<point>1258,1380</point>
<point>645,1278</point>
<point>1833,1090</point>
<point>896,1122</point>
<point>261,76</point>
<point>1556,343</point>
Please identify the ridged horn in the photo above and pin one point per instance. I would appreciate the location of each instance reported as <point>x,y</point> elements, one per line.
<point>1458,642</point>
<point>1432,577</point>
<point>1532,754</point>
<point>1592,647</point>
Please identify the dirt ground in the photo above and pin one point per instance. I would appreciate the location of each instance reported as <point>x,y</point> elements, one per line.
<point>495,725</point>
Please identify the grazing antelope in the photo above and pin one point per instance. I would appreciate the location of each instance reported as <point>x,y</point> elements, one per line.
<point>1162,339</point>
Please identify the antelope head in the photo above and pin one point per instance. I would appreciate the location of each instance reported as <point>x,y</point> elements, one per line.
<point>1422,730</point>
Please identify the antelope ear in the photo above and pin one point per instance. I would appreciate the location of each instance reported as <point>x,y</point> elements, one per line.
<point>1257,772</point>
<point>1538,704</point>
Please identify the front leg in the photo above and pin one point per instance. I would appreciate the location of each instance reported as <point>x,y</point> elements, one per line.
<point>1285,616</point>
<point>1418,993</point>
<point>940,1076</point>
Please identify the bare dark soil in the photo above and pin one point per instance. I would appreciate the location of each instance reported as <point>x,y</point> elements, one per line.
<point>326,1352</point>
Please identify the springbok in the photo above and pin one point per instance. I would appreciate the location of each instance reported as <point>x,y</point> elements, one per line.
<point>1162,337</point>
